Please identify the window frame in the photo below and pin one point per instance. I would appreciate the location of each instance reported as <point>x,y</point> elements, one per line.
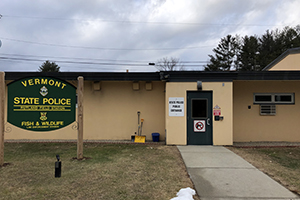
<point>273,99</point>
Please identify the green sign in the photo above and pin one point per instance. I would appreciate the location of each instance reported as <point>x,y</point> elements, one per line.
<point>41,103</point>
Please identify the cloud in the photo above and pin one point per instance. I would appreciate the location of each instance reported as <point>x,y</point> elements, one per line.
<point>131,30</point>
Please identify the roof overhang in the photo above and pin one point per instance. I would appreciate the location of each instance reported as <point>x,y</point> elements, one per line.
<point>170,76</point>
<point>93,76</point>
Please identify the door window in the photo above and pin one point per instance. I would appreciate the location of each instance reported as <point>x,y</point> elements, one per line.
<point>199,108</point>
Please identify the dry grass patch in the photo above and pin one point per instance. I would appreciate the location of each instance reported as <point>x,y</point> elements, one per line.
<point>115,171</point>
<point>282,164</point>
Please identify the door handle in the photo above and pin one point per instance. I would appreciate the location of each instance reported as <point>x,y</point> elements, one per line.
<point>208,121</point>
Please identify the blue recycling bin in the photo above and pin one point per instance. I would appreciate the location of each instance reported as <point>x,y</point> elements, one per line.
<point>155,137</point>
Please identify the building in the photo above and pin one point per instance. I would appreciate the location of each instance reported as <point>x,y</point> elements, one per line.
<point>186,108</point>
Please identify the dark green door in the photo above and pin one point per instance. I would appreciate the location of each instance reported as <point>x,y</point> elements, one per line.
<point>199,118</point>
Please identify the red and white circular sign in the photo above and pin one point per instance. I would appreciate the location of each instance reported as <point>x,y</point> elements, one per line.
<point>199,125</point>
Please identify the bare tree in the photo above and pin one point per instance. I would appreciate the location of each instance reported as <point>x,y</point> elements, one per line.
<point>172,64</point>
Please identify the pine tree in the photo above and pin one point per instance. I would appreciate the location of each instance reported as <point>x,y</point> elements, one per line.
<point>248,57</point>
<point>226,52</point>
<point>48,66</point>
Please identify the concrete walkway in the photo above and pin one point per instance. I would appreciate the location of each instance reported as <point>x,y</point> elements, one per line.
<point>220,174</point>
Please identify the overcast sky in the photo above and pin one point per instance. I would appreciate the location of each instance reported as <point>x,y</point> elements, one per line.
<point>115,35</point>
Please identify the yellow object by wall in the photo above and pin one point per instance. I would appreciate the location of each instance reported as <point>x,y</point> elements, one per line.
<point>110,113</point>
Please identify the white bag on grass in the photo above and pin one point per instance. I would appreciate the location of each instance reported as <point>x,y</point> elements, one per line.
<point>185,194</point>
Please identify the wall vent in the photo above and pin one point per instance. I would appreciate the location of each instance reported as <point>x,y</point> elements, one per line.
<point>267,109</point>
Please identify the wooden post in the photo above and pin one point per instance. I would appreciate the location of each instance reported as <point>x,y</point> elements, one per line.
<point>80,118</point>
<point>2,110</point>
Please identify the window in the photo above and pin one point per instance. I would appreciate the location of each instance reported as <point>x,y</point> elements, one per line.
<point>284,98</point>
<point>267,109</point>
<point>262,98</point>
<point>274,98</point>
<point>199,108</point>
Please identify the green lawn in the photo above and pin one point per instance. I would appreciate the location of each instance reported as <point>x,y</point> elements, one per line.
<point>113,171</point>
<point>281,163</point>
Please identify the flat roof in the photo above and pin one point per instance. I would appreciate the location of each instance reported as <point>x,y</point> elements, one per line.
<point>170,76</point>
<point>93,76</point>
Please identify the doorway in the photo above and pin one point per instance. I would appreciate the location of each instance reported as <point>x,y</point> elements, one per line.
<point>199,118</point>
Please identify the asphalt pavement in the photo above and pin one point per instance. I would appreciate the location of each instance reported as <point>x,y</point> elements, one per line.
<point>220,174</point>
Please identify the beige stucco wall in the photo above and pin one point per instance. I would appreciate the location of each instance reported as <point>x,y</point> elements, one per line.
<point>291,62</point>
<point>110,113</point>
<point>223,97</point>
<point>249,125</point>
<point>176,127</point>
